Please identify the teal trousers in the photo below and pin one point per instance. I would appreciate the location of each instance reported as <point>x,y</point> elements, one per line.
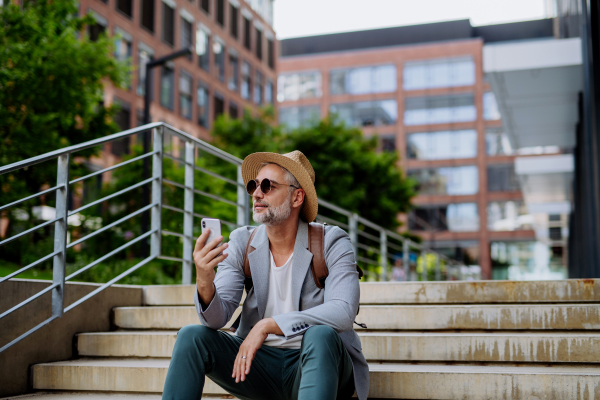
<point>320,370</point>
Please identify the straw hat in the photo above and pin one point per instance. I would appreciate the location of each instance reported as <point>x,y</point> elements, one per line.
<point>298,165</point>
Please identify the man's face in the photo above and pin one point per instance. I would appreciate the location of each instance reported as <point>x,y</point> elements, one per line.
<point>275,207</point>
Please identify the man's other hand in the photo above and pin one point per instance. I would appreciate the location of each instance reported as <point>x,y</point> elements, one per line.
<point>206,257</point>
<point>253,342</point>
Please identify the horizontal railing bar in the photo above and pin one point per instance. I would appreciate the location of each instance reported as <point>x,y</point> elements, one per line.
<point>29,332</point>
<point>78,147</point>
<point>111,282</point>
<point>173,183</point>
<point>214,174</point>
<point>393,246</point>
<point>335,208</point>
<point>368,248</point>
<point>169,258</point>
<point>110,196</point>
<point>33,264</point>
<point>168,207</point>
<point>205,146</point>
<point>33,196</point>
<point>10,239</point>
<point>29,300</point>
<point>170,233</point>
<point>172,157</point>
<point>112,224</point>
<point>332,221</point>
<point>369,236</point>
<point>222,220</point>
<point>112,253</point>
<point>200,192</point>
<point>113,167</point>
<point>368,223</point>
<point>366,260</point>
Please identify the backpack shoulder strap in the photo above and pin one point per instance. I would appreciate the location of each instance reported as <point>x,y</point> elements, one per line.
<point>249,249</point>
<point>316,245</point>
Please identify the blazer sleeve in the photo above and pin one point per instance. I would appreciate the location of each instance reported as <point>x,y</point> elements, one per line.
<point>342,291</point>
<point>229,284</point>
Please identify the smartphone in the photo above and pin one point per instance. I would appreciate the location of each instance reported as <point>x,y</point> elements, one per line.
<point>215,228</point>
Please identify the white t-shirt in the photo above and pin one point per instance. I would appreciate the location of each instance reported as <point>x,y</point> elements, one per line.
<point>280,301</point>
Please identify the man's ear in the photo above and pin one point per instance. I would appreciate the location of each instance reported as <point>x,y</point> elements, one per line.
<point>299,198</point>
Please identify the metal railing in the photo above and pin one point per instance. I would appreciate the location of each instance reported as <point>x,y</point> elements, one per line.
<point>378,250</point>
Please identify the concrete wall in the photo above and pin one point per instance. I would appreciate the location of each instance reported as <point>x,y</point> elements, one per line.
<point>53,342</point>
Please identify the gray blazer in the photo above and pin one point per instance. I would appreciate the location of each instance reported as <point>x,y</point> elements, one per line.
<point>335,306</point>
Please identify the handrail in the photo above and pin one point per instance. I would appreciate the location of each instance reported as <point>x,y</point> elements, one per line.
<point>381,246</point>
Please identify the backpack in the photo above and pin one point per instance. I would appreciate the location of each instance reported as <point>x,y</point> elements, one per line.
<point>316,245</point>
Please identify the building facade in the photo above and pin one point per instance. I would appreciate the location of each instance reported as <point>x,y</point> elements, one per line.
<point>422,91</point>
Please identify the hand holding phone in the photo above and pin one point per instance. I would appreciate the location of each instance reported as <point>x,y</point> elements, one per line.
<point>208,252</point>
<point>214,225</point>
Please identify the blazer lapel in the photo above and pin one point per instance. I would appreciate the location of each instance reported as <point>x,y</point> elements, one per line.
<point>260,263</point>
<point>300,262</point>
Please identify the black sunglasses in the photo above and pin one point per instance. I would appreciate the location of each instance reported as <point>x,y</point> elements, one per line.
<point>265,186</point>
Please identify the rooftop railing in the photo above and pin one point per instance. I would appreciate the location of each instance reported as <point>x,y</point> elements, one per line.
<point>384,255</point>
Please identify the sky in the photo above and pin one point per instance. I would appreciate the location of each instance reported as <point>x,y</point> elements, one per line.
<point>293,18</point>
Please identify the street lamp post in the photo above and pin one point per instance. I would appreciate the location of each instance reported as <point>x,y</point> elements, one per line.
<point>145,248</point>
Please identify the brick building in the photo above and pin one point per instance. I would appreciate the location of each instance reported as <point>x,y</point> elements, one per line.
<point>422,90</point>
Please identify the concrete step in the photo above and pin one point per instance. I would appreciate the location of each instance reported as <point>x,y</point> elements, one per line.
<point>84,396</point>
<point>397,381</point>
<point>440,317</point>
<point>390,346</point>
<point>481,292</point>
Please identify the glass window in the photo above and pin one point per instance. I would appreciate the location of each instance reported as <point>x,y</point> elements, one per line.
<point>125,6</point>
<point>463,217</point>
<point>502,178</point>
<point>258,36</point>
<point>378,79</point>
<point>269,89</point>
<point>221,12</point>
<point>303,85</point>
<point>205,5</point>
<point>219,106</point>
<point>144,56</point>
<point>98,28</point>
<point>147,20</point>
<point>219,53</point>
<point>202,105</point>
<point>447,180</point>
<point>367,113</point>
<point>167,79</point>
<point>388,143</point>
<point>444,145</point>
<point>246,81</point>
<point>497,143</point>
<point>185,95</point>
<point>491,112</point>
<point>258,88</point>
<point>295,117</point>
<point>168,28</point>
<point>438,73</point>
<point>202,46</point>
<point>247,33</point>
<point>270,54</point>
<point>439,109</point>
<point>234,72</point>
<point>123,53</point>
<point>186,35</point>
<point>233,20</point>
<point>508,216</point>
<point>233,110</point>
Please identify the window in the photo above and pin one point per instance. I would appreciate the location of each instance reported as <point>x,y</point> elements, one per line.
<point>246,81</point>
<point>234,72</point>
<point>144,56</point>
<point>233,20</point>
<point>205,5</point>
<point>367,113</point>
<point>490,107</point>
<point>270,53</point>
<point>125,7</point>
<point>379,79</point>
<point>502,178</point>
<point>219,106</point>
<point>123,121</point>
<point>202,103</point>
<point>97,29</point>
<point>167,79</point>
<point>555,233</point>
<point>508,216</point>
<point>221,12</point>
<point>438,73</point>
<point>219,52</point>
<point>147,20</point>
<point>185,95</point>
<point>168,28</point>
<point>247,30</point>
<point>123,50</point>
<point>258,88</point>
<point>439,109</point>
<point>269,90</point>
<point>462,217</point>
<point>301,85</point>
<point>295,117</point>
<point>447,180</point>
<point>388,143</point>
<point>497,143</point>
<point>233,110</point>
<point>202,46</point>
<point>186,34</point>
<point>258,35</point>
<point>444,145</point>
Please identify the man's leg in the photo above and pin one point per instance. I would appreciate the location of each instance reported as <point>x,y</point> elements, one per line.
<point>200,351</point>
<point>324,369</point>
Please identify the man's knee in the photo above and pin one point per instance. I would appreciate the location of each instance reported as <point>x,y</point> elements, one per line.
<point>320,335</point>
<point>191,335</point>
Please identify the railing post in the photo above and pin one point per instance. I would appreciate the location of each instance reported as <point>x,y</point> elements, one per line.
<point>353,225</point>
<point>406,259</point>
<point>60,235</point>
<point>438,267</point>
<point>243,200</point>
<point>424,253</point>
<point>157,173</point>
<point>188,216</point>
<point>384,256</point>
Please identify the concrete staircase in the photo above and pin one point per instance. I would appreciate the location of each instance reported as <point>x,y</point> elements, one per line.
<point>439,340</point>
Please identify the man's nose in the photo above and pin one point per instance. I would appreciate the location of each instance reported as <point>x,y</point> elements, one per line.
<point>258,194</point>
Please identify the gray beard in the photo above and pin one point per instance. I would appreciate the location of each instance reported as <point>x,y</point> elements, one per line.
<point>273,216</point>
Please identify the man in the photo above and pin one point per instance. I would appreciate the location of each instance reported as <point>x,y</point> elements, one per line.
<point>295,341</point>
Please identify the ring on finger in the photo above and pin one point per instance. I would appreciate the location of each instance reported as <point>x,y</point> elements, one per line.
<point>243,357</point>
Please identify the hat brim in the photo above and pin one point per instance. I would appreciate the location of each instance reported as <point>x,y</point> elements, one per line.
<point>254,162</point>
